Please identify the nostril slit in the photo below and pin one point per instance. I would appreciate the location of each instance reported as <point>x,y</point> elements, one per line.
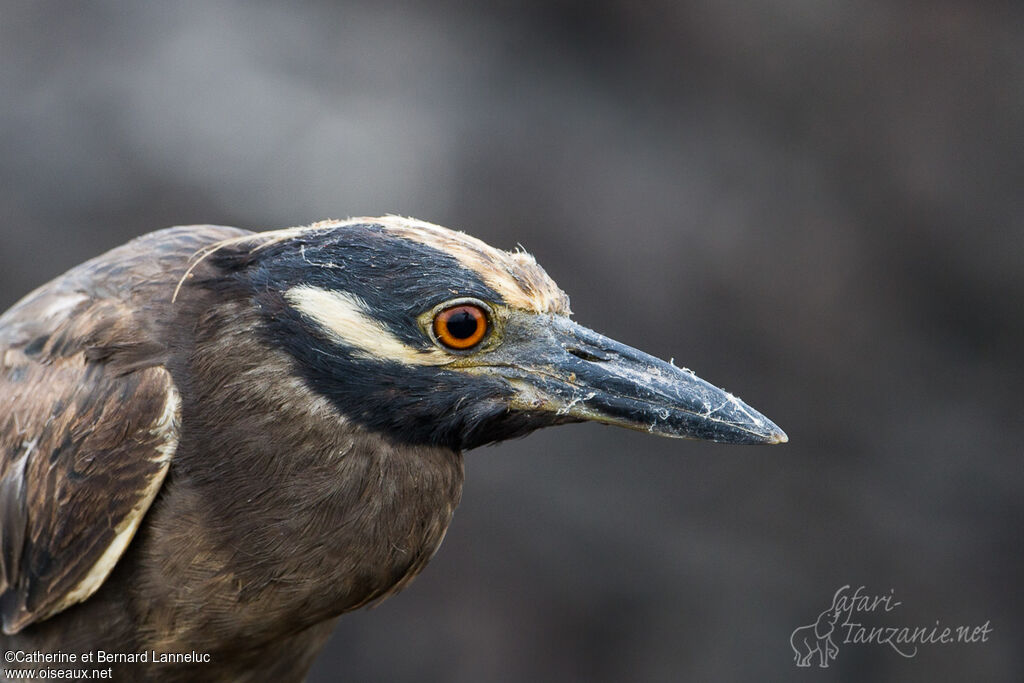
<point>585,355</point>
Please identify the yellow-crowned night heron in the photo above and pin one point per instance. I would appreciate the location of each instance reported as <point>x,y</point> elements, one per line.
<point>217,441</point>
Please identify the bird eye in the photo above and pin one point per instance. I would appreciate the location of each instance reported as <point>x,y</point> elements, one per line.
<point>461,327</point>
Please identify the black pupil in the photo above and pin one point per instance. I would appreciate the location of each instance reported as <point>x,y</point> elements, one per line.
<point>462,324</point>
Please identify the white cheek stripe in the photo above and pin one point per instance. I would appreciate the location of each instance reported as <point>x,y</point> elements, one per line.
<point>347,317</point>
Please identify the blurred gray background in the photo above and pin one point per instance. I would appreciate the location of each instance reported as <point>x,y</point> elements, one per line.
<point>817,205</point>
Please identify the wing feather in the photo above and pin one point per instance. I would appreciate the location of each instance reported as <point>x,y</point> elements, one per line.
<point>89,420</point>
<point>84,450</point>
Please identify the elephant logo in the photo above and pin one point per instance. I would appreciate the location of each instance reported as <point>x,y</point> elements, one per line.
<point>817,638</point>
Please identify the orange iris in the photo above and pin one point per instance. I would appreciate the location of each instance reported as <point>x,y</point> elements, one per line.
<point>461,327</point>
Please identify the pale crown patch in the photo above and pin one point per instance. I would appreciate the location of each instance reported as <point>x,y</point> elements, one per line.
<point>516,276</point>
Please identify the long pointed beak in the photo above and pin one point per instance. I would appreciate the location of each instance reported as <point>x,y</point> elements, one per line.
<point>558,366</point>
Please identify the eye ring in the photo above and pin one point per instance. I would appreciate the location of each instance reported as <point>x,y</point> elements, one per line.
<point>461,325</point>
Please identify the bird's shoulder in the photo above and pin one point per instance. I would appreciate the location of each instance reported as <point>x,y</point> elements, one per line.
<point>129,282</point>
<point>88,420</point>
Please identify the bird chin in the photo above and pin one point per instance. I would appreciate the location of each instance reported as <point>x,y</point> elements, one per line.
<point>500,423</point>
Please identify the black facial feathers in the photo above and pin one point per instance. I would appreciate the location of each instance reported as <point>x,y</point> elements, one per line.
<point>397,279</point>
